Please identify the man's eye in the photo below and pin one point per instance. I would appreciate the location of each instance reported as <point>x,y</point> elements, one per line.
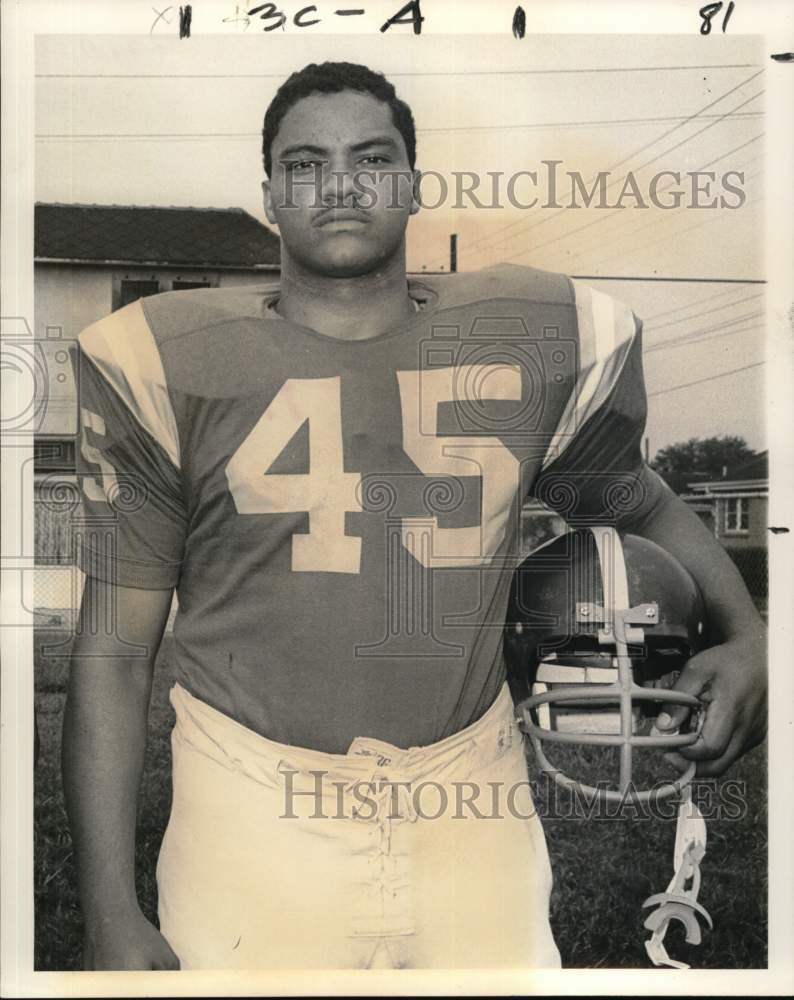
<point>375,158</point>
<point>304,165</point>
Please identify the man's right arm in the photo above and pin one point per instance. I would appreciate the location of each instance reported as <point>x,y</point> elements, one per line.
<point>104,740</point>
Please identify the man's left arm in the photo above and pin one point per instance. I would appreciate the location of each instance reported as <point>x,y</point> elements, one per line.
<point>594,469</point>
<point>729,676</point>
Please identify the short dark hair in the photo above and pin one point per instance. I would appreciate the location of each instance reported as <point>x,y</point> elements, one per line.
<point>333,78</point>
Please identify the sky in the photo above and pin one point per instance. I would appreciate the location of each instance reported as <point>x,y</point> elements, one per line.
<point>147,120</point>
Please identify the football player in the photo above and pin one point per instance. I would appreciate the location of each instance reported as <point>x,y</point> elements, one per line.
<point>330,471</point>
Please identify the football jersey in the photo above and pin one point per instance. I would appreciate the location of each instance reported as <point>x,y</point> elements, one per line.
<point>341,519</point>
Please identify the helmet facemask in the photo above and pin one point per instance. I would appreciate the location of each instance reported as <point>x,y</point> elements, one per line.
<point>592,665</point>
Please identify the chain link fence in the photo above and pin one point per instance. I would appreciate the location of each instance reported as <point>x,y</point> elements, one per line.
<point>58,582</point>
<point>753,565</point>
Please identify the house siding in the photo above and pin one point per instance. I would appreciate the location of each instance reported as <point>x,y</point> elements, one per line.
<point>70,297</point>
<point>229,279</point>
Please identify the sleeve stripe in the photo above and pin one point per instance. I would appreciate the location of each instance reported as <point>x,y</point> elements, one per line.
<point>124,350</point>
<point>606,333</point>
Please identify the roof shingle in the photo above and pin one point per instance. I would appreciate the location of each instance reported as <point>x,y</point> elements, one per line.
<point>221,237</point>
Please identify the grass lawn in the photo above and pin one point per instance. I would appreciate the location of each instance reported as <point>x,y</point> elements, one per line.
<point>604,866</point>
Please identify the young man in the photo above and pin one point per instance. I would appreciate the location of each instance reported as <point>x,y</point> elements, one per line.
<point>330,471</point>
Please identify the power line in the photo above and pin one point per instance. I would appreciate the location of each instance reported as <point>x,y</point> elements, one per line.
<point>704,312</point>
<point>689,138</point>
<point>657,277</point>
<point>461,72</point>
<point>603,218</point>
<point>687,341</point>
<point>710,378</point>
<point>676,233</point>
<point>581,124</point>
<point>527,126</point>
<point>654,277</point>
<point>634,153</point>
<point>616,211</point>
<point>95,136</point>
<point>671,235</point>
<point>670,215</point>
<point>674,215</point>
<point>694,336</point>
<point>523,126</point>
<point>689,305</point>
<point>595,222</point>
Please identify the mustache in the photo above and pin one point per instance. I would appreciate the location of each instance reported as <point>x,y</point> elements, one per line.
<point>341,213</point>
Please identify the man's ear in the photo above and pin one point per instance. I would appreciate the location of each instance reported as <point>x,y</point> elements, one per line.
<point>267,197</point>
<point>416,201</point>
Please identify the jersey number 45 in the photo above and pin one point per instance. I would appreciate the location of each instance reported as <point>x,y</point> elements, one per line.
<point>327,493</point>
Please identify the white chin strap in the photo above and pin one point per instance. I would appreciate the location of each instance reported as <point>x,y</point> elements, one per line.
<point>679,900</point>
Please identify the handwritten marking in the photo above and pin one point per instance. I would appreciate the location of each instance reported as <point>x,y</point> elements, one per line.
<point>236,18</point>
<point>708,12</point>
<point>268,11</point>
<point>349,11</point>
<point>185,17</point>
<point>160,15</point>
<point>298,19</point>
<point>519,23</point>
<point>411,13</point>
<point>782,56</point>
<point>776,530</point>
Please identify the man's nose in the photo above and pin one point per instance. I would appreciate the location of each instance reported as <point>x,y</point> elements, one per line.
<point>338,183</point>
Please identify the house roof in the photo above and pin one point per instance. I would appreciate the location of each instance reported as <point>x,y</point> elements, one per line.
<point>154,235</point>
<point>752,475</point>
<point>756,468</point>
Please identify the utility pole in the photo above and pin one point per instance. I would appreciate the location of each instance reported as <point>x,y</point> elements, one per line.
<point>453,253</point>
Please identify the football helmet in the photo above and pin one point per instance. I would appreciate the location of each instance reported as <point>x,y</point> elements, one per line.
<point>598,628</point>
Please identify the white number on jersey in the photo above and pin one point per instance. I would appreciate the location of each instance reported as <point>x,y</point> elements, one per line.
<point>96,490</point>
<point>326,492</point>
<point>421,393</point>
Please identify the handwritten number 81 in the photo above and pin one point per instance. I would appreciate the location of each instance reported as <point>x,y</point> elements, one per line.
<point>708,12</point>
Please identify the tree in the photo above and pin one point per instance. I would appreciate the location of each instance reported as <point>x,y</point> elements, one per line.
<point>701,459</point>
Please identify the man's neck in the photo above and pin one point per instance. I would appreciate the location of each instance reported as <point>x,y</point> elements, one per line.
<point>346,308</point>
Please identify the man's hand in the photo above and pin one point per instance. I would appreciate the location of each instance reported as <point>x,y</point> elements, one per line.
<point>126,941</point>
<point>731,680</point>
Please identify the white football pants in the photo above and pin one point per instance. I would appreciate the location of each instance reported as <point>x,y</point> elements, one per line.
<point>278,856</point>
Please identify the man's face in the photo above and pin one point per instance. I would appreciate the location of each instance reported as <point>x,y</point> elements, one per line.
<point>341,189</point>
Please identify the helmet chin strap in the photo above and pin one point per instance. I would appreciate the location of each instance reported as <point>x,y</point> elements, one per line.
<point>616,629</point>
<point>620,626</point>
<point>679,900</point>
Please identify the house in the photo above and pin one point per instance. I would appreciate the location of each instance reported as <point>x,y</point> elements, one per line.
<point>93,259</point>
<point>735,507</point>
<point>90,260</point>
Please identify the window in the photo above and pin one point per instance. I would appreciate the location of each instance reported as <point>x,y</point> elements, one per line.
<point>132,289</point>
<point>52,454</point>
<point>132,284</point>
<point>179,286</point>
<point>737,515</point>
